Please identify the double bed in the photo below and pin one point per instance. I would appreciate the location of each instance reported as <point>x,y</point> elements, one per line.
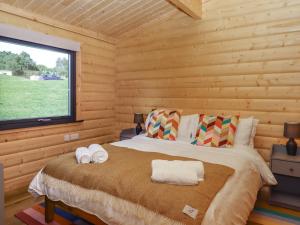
<point>232,204</point>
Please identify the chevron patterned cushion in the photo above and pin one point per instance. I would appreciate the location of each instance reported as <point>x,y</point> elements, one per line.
<point>163,124</point>
<point>216,131</point>
<point>154,123</point>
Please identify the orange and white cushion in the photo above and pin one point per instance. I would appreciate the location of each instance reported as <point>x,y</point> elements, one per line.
<point>163,124</point>
<point>216,131</point>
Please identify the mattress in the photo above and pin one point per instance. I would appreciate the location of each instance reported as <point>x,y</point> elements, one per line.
<point>232,204</point>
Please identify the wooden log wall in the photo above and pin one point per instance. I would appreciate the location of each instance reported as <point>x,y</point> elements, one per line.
<point>25,151</point>
<point>242,57</point>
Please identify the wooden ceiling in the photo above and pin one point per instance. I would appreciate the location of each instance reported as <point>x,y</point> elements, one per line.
<point>110,17</point>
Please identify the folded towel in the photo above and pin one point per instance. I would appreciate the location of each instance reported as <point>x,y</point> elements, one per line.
<point>179,177</point>
<point>177,172</point>
<point>98,153</point>
<point>83,155</point>
<point>194,165</point>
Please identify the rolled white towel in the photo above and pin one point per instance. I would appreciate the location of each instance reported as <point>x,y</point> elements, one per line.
<point>83,155</point>
<point>175,176</point>
<point>98,153</point>
<point>194,165</point>
<point>177,172</point>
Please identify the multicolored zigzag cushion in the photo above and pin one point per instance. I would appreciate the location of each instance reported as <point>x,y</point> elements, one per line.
<point>163,124</point>
<point>216,131</point>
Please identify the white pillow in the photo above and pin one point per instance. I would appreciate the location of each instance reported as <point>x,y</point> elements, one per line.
<point>255,123</point>
<point>187,128</point>
<point>244,131</point>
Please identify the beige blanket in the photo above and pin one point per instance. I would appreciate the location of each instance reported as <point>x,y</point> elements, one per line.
<point>127,174</point>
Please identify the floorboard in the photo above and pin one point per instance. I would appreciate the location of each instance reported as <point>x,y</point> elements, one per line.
<point>17,204</point>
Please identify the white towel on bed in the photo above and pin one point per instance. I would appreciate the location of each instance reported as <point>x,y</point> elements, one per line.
<point>177,172</point>
<point>98,153</point>
<point>196,165</point>
<point>83,155</point>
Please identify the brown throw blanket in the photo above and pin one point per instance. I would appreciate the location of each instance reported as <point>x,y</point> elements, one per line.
<point>127,175</point>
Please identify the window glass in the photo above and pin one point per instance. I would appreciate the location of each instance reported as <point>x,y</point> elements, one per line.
<point>36,83</point>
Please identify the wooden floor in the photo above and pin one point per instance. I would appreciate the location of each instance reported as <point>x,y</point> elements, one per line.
<point>16,204</point>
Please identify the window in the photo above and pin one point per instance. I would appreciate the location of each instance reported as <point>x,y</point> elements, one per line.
<point>37,84</point>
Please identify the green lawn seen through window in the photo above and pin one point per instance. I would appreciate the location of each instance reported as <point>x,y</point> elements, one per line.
<point>22,98</point>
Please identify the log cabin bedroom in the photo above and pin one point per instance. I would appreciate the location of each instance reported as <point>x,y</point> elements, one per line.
<point>149,112</point>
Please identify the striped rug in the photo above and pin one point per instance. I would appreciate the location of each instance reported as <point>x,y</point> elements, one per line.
<point>263,214</point>
<point>36,216</point>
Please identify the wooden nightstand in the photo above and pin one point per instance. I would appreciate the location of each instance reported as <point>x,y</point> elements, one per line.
<point>286,170</point>
<point>128,134</point>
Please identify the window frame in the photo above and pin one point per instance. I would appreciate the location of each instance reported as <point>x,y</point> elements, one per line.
<point>45,121</point>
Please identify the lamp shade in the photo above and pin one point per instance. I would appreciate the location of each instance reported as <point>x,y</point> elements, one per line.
<point>138,118</point>
<point>292,129</point>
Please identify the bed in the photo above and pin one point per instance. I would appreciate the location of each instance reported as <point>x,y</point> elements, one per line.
<point>231,205</point>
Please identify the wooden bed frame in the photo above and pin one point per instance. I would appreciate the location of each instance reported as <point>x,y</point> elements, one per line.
<point>50,206</point>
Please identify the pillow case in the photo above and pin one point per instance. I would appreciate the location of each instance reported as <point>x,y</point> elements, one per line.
<point>243,132</point>
<point>253,132</point>
<point>216,131</point>
<point>246,132</point>
<point>163,124</point>
<point>188,128</point>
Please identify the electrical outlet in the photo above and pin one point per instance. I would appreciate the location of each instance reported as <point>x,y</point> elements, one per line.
<point>74,136</point>
<point>66,137</point>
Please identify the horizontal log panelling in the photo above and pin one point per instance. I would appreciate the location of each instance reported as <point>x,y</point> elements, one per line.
<point>215,92</point>
<point>278,66</point>
<point>275,118</point>
<point>21,134</point>
<point>242,57</point>
<point>249,80</point>
<point>238,27</point>
<point>251,43</point>
<point>25,151</point>
<point>97,69</point>
<point>97,78</point>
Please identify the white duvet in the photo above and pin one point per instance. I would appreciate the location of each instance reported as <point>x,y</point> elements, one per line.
<point>232,204</point>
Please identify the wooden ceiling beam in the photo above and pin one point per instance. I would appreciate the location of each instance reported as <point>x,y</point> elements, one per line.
<point>190,7</point>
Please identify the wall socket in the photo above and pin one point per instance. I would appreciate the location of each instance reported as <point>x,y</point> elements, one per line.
<point>66,137</point>
<point>74,136</point>
<point>71,137</point>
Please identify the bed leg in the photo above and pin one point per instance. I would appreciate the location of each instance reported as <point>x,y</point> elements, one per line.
<point>49,210</point>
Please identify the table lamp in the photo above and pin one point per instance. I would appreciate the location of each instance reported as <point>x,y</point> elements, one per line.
<point>291,131</point>
<point>138,119</point>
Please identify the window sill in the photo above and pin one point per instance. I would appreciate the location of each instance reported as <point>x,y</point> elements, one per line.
<point>42,127</point>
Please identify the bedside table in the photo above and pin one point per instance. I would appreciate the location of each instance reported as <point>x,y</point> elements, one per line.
<point>128,134</point>
<point>286,170</point>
